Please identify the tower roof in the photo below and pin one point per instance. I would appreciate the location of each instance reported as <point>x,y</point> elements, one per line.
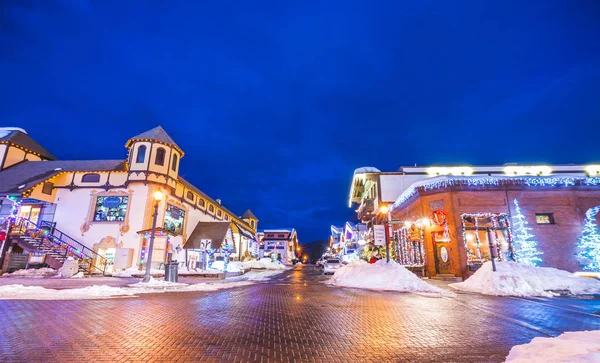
<point>249,215</point>
<point>157,134</point>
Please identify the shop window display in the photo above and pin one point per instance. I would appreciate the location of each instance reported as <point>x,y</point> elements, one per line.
<point>174,218</point>
<point>110,209</point>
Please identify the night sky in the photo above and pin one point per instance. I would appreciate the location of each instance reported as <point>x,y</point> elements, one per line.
<point>277,102</point>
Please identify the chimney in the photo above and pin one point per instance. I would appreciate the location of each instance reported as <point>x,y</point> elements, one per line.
<point>218,201</point>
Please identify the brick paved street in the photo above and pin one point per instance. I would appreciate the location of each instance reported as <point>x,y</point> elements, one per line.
<point>294,317</point>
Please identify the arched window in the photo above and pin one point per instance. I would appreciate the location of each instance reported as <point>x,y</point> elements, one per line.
<point>174,163</point>
<point>202,203</point>
<point>190,195</point>
<point>90,178</point>
<point>160,156</point>
<point>211,208</point>
<point>252,224</point>
<point>218,213</point>
<point>141,154</point>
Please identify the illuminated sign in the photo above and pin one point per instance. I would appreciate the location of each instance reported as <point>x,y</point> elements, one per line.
<point>461,170</point>
<point>528,170</point>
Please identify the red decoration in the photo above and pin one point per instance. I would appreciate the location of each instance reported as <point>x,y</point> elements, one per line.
<point>439,217</point>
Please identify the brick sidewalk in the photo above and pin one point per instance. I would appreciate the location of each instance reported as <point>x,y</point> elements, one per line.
<point>292,318</point>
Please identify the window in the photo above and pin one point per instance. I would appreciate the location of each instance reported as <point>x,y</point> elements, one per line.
<point>281,235</point>
<point>544,218</point>
<point>252,224</point>
<point>160,156</point>
<point>141,154</point>
<point>226,217</point>
<point>218,213</point>
<point>174,218</point>
<point>174,163</point>
<point>190,195</point>
<point>90,178</point>
<point>211,208</point>
<point>47,188</point>
<point>110,209</point>
<point>202,203</point>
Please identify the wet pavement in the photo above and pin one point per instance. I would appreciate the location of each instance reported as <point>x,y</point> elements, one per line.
<point>293,317</point>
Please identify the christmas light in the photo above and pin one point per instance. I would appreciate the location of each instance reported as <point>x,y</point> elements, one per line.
<point>589,242</point>
<point>524,244</point>
<point>452,181</point>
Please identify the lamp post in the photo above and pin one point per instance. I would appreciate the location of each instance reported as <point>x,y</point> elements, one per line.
<point>385,210</point>
<point>158,196</point>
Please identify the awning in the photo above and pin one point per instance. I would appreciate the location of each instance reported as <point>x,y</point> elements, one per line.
<point>207,235</point>
<point>244,232</point>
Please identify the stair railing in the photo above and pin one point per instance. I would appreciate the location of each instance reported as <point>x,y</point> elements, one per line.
<point>69,245</point>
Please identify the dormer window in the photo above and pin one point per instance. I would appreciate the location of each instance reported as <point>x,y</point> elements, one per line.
<point>90,178</point>
<point>160,156</point>
<point>174,162</point>
<point>141,154</point>
<point>252,224</point>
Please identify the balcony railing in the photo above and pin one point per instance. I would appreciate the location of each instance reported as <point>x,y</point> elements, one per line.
<point>366,208</point>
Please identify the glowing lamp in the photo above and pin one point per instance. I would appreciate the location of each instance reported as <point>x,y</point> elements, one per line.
<point>383,209</point>
<point>593,170</point>
<point>158,195</point>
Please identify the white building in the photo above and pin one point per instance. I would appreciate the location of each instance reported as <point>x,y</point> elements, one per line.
<point>280,244</point>
<point>107,205</point>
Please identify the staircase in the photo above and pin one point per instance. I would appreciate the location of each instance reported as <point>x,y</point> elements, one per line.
<point>57,246</point>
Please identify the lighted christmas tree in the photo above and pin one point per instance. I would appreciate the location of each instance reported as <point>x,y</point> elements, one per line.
<point>589,242</point>
<point>524,244</point>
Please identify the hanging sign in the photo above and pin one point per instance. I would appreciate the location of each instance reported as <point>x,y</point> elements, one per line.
<point>379,234</point>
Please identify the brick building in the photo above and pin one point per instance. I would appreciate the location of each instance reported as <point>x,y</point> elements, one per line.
<point>449,219</point>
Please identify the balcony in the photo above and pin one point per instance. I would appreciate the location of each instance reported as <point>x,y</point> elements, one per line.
<point>365,211</point>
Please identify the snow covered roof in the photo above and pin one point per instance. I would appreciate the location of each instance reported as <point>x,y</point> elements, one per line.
<point>366,169</point>
<point>439,182</point>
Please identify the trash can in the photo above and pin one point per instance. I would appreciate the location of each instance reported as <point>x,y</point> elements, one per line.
<point>171,271</point>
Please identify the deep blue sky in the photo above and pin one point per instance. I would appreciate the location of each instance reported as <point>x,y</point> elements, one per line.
<point>277,102</point>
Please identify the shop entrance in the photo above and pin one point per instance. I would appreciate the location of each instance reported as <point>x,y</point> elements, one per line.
<point>31,212</point>
<point>441,253</point>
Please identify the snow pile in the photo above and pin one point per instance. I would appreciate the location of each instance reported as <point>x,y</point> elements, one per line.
<point>34,272</point>
<point>380,276</point>
<point>514,279</point>
<point>581,346</point>
<point>20,292</point>
<point>131,271</point>
<point>235,267</point>
<point>262,275</point>
<point>157,283</point>
<point>264,263</point>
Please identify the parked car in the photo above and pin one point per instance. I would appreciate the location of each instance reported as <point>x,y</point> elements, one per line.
<point>331,266</point>
<point>321,262</point>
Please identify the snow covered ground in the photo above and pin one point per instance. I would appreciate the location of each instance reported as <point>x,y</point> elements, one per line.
<point>581,346</point>
<point>33,272</point>
<point>514,279</point>
<point>381,276</point>
<point>183,271</point>
<point>264,263</point>
<point>20,292</point>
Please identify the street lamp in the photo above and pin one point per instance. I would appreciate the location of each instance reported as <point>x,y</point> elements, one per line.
<point>385,210</point>
<point>158,196</point>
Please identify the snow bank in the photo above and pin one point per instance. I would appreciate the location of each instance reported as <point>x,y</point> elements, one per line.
<point>581,346</point>
<point>380,276</point>
<point>235,267</point>
<point>264,263</point>
<point>33,272</point>
<point>20,292</point>
<point>262,275</point>
<point>514,279</point>
<point>130,272</point>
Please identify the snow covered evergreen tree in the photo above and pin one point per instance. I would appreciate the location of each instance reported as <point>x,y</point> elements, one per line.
<point>589,242</point>
<point>524,244</point>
